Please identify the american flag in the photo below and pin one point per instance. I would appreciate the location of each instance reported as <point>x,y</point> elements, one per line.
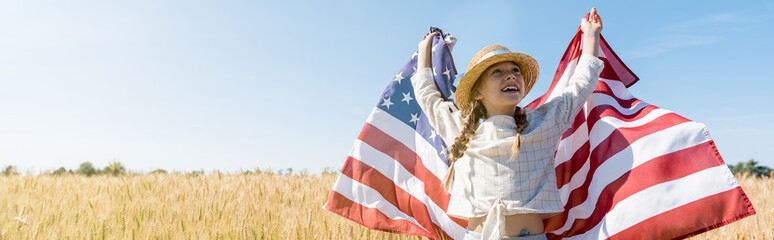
<point>630,170</point>
<point>391,180</point>
<point>625,169</point>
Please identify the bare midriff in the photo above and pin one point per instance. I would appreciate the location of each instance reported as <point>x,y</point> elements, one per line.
<point>532,222</point>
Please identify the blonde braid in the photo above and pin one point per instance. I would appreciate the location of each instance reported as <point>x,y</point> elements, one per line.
<point>477,111</point>
<point>521,123</point>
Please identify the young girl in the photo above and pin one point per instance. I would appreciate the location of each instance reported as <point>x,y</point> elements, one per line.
<point>502,155</point>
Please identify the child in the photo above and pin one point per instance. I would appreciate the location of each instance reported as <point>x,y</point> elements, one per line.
<point>502,155</point>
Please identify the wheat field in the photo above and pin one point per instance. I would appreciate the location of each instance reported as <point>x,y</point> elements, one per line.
<point>226,206</point>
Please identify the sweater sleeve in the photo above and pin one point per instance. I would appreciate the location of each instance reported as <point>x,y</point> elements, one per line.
<point>443,115</point>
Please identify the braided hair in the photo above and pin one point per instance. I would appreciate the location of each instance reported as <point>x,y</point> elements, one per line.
<point>477,111</point>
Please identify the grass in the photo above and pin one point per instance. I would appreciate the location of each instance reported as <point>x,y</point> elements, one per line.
<point>225,206</point>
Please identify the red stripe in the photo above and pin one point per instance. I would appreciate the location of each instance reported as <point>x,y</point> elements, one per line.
<point>607,71</point>
<point>404,201</point>
<point>623,72</point>
<point>567,169</point>
<point>655,171</point>
<point>618,140</point>
<point>408,159</point>
<point>693,218</point>
<point>371,217</point>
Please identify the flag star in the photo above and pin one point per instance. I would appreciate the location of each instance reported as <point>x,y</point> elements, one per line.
<point>448,75</point>
<point>443,151</point>
<point>414,55</point>
<point>407,98</point>
<point>415,68</point>
<point>435,47</point>
<point>414,118</point>
<point>432,135</point>
<point>434,72</point>
<point>398,77</point>
<point>387,103</point>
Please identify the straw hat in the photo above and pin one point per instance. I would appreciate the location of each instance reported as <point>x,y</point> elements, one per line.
<point>487,57</point>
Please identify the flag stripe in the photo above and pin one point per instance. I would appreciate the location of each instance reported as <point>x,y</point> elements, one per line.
<point>727,207</point>
<point>651,201</point>
<point>373,210</point>
<point>401,178</point>
<point>408,159</point>
<point>663,168</point>
<point>409,138</point>
<point>397,196</point>
<point>372,218</point>
<point>640,151</point>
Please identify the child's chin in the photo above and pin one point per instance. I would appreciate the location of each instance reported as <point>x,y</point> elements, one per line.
<point>512,100</point>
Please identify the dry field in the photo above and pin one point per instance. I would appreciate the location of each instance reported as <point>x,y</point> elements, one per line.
<point>220,206</point>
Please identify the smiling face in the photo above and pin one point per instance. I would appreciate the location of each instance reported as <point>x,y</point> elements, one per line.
<point>500,88</point>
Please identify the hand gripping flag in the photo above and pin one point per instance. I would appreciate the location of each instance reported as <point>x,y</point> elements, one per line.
<point>391,180</point>
<point>630,170</point>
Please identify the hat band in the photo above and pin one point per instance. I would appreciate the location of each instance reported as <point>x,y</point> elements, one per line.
<point>492,53</point>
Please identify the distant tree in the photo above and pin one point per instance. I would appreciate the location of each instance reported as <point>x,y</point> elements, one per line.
<point>10,170</point>
<point>197,173</point>
<point>87,169</point>
<point>750,167</point>
<point>287,171</point>
<point>115,168</point>
<point>159,171</point>
<point>60,171</point>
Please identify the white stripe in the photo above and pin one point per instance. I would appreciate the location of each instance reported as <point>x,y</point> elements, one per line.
<point>406,135</point>
<point>663,197</point>
<point>369,197</point>
<point>606,125</point>
<point>406,181</point>
<point>618,89</point>
<point>564,80</point>
<point>656,144</point>
<point>602,99</point>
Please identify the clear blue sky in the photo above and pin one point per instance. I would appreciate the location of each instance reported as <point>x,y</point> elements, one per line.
<point>230,85</point>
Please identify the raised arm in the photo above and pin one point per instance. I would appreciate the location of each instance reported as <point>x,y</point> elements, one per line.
<point>442,114</point>
<point>589,67</point>
<point>586,74</point>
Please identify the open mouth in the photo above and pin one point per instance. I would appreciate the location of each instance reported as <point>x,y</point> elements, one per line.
<point>510,89</point>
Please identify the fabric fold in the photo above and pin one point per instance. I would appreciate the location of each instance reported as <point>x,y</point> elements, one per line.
<point>494,225</point>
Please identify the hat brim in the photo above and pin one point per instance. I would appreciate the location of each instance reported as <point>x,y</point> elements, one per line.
<point>528,67</point>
